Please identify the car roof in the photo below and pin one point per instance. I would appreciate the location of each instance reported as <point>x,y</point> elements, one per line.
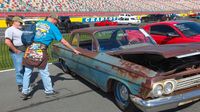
<point>170,22</point>
<point>31,20</point>
<point>92,30</point>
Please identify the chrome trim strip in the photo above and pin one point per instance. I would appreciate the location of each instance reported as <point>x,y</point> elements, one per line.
<point>164,101</point>
<point>188,82</point>
<point>187,55</point>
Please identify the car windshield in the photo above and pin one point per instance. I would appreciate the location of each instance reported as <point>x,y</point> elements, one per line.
<point>29,22</point>
<point>118,38</point>
<point>189,28</point>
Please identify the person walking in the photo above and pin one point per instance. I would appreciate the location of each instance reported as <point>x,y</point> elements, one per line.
<point>36,54</point>
<point>13,41</point>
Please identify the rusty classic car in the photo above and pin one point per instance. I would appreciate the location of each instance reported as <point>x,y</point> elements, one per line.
<point>127,62</point>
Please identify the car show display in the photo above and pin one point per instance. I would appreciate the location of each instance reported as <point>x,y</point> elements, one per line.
<point>127,62</point>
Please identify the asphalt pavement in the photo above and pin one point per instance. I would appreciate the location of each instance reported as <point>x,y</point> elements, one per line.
<point>75,95</point>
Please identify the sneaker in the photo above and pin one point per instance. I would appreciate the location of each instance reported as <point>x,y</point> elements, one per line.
<point>52,94</point>
<point>20,88</point>
<point>25,96</point>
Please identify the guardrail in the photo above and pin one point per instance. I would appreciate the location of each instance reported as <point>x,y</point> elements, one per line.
<point>5,58</point>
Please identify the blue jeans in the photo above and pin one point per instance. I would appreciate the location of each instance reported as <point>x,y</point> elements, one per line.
<point>45,79</point>
<point>19,71</point>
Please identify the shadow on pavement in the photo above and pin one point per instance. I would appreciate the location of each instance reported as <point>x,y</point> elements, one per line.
<point>39,84</point>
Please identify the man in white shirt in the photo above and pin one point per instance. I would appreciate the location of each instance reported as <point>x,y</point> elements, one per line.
<point>13,41</point>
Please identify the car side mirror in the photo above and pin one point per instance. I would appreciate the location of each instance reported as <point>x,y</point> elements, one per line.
<point>172,35</point>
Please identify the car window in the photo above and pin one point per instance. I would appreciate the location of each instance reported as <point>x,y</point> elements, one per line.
<point>162,30</point>
<point>86,41</point>
<point>114,39</point>
<point>30,22</point>
<point>105,39</point>
<point>121,18</point>
<point>136,37</point>
<point>126,19</point>
<point>75,40</point>
<point>189,28</point>
<point>132,18</point>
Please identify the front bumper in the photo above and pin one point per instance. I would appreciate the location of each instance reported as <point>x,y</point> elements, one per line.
<point>165,103</point>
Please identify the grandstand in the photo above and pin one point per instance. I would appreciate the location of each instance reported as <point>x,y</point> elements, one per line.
<point>75,6</point>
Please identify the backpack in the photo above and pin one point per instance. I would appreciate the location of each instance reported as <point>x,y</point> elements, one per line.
<point>28,34</point>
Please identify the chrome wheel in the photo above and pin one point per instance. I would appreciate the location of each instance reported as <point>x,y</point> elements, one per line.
<point>121,93</point>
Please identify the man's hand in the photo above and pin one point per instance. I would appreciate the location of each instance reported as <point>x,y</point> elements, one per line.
<point>17,51</point>
<point>76,52</point>
<point>9,43</point>
<point>64,42</point>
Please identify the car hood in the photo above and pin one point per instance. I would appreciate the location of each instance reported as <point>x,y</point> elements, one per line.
<point>166,51</point>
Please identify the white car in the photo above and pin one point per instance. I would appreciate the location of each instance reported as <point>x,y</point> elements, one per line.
<point>128,20</point>
<point>125,15</point>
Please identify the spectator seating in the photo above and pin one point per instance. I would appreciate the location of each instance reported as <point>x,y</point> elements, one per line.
<point>97,5</point>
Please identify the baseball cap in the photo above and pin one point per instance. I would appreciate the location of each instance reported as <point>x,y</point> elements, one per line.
<point>16,18</point>
<point>54,15</point>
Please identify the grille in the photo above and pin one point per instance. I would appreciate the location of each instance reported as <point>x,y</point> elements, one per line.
<point>188,82</point>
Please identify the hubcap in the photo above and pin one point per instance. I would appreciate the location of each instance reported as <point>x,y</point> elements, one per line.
<point>124,93</point>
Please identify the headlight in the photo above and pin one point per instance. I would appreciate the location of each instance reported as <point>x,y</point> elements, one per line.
<point>157,90</point>
<point>163,87</point>
<point>169,86</point>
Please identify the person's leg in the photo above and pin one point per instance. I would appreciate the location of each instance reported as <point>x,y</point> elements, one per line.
<point>46,80</point>
<point>26,80</point>
<point>17,61</point>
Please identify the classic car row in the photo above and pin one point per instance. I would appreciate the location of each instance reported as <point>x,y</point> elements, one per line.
<point>122,19</point>
<point>129,19</point>
<point>127,62</point>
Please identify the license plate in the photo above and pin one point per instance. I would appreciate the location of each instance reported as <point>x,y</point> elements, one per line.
<point>188,101</point>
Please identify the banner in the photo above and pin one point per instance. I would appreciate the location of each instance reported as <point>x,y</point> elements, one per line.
<point>96,19</point>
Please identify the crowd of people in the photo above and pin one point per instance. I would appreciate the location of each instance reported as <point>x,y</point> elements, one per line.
<point>98,5</point>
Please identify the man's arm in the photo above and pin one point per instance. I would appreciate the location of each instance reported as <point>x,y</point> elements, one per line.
<point>64,42</point>
<point>11,46</point>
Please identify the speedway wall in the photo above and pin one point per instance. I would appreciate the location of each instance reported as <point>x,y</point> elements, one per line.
<point>73,18</point>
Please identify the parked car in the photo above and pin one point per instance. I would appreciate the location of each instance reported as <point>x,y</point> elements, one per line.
<point>128,21</point>
<point>173,32</point>
<point>65,25</point>
<point>28,22</point>
<point>127,62</point>
<point>197,16</point>
<point>125,15</point>
<point>192,14</point>
<point>154,17</point>
<point>106,23</point>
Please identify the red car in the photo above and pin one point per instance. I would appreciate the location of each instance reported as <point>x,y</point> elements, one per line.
<point>171,32</point>
<point>106,23</point>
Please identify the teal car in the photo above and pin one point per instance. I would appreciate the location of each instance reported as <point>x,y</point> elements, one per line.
<point>127,62</point>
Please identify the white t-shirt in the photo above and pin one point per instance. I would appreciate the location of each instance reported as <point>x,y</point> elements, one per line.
<point>14,35</point>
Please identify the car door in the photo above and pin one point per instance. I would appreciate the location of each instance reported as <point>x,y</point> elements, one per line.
<point>164,34</point>
<point>87,47</point>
